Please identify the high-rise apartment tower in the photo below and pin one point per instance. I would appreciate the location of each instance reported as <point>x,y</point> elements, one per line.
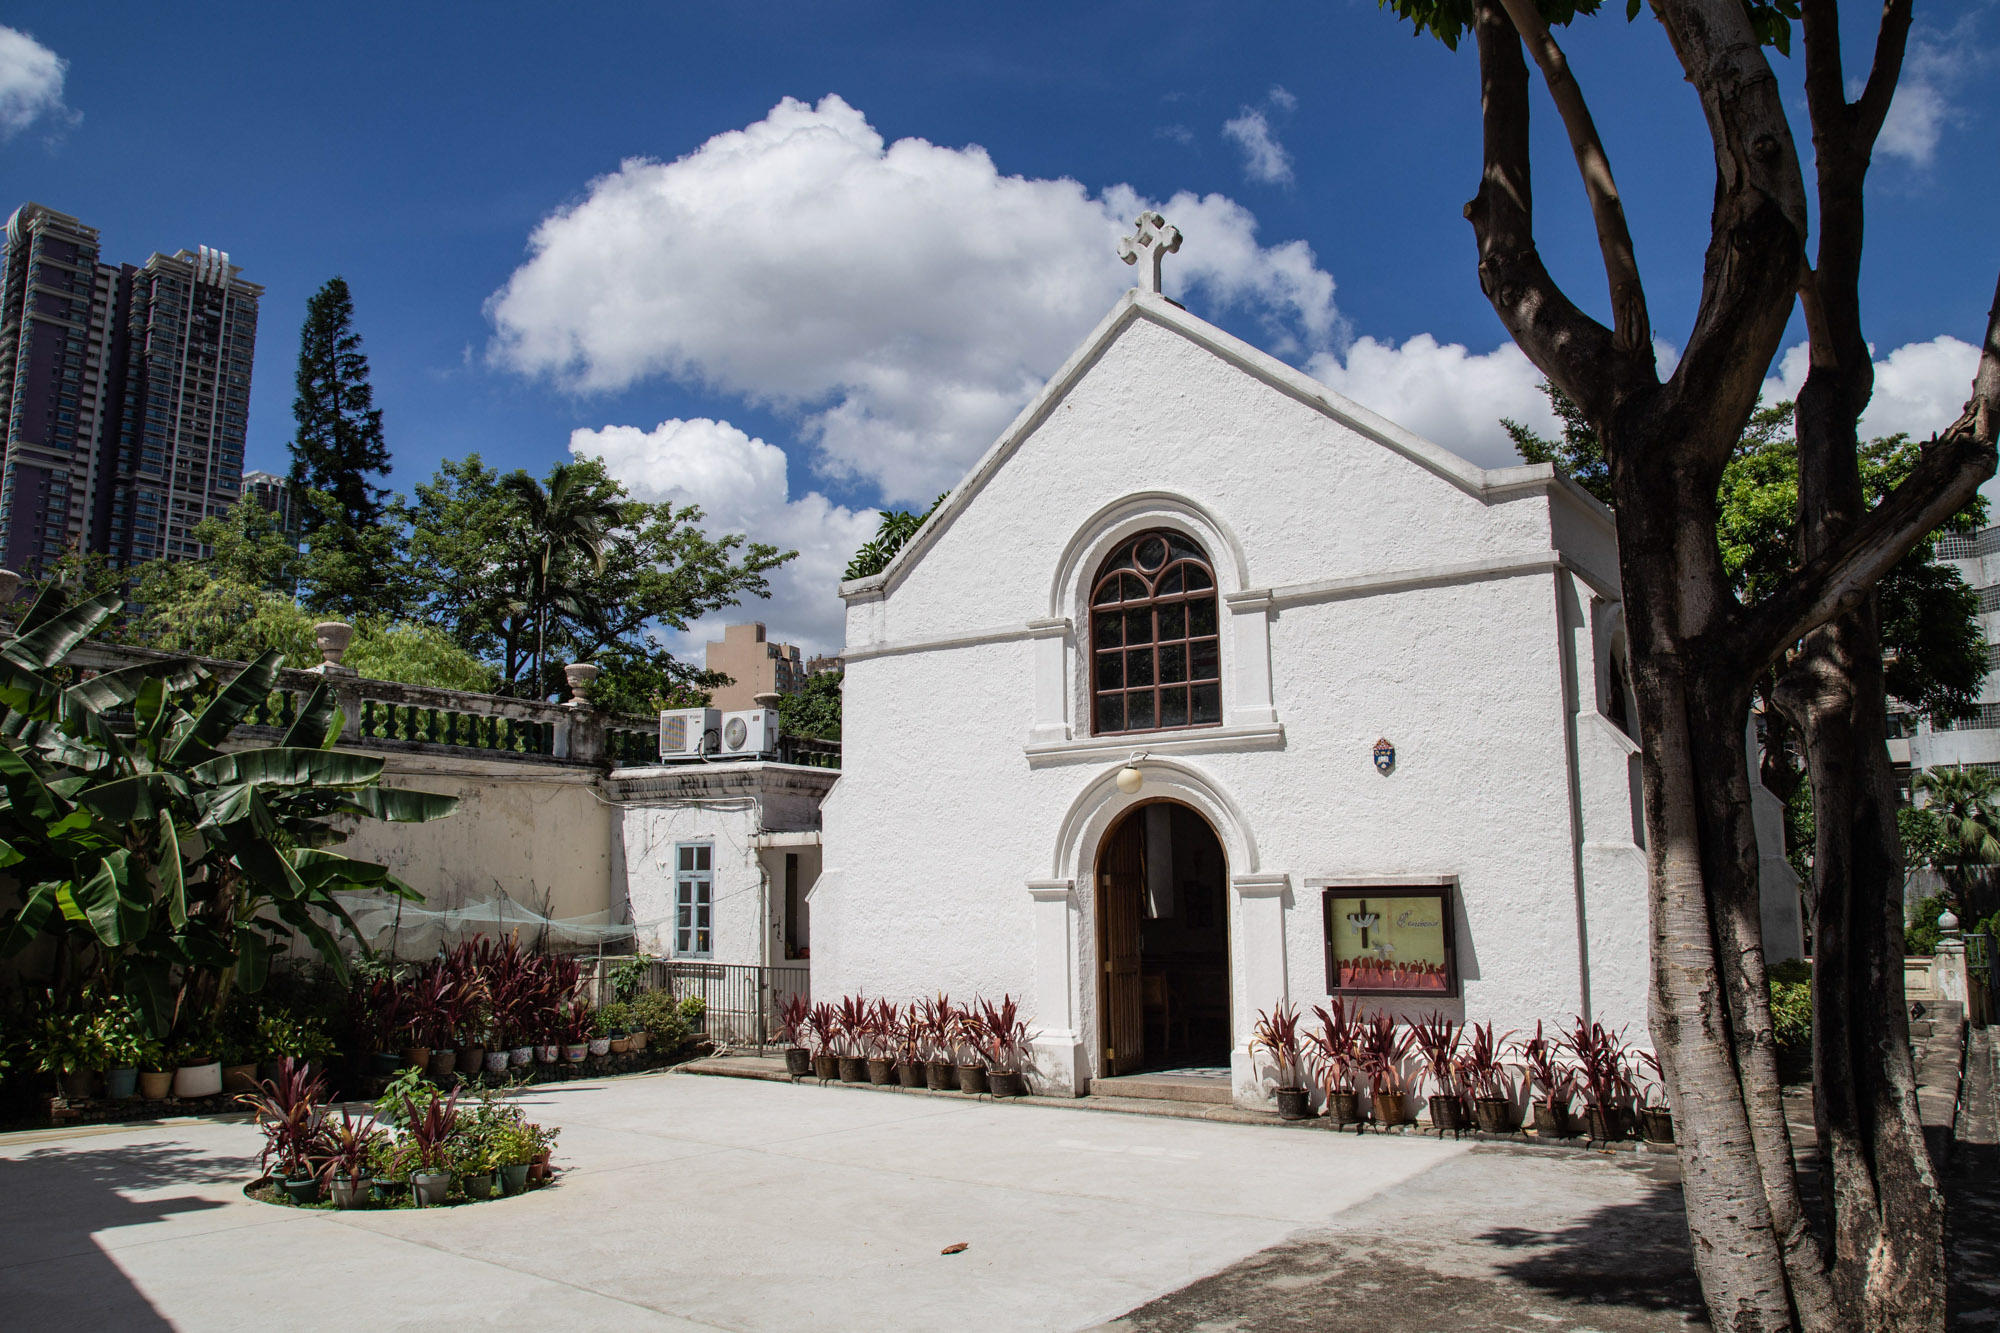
<point>127,393</point>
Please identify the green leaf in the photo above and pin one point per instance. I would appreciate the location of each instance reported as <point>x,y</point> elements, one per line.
<point>142,796</point>
<point>403,806</point>
<point>50,641</point>
<point>173,876</point>
<point>253,959</point>
<point>31,797</point>
<point>318,723</point>
<point>149,986</point>
<point>116,912</point>
<point>115,689</point>
<point>27,924</point>
<point>8,855</point>
<point>231,704</point>
<point>288,766</point>
<point>321,870</point>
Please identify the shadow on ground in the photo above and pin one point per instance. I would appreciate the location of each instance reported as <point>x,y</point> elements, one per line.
<point>1474,1246</point>
<point>55,1202</point>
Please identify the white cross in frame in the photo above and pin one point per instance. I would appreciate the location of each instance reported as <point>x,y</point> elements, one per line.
<point>1155,241</point>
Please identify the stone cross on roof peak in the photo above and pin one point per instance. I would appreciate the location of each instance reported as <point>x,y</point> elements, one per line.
<point>1155,240</point>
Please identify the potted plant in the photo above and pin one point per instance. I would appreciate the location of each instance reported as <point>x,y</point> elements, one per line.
<point>197,1071</point>
<point>293,1122</point>
<point>1654,1112</point>
<point>885,1021</point>
<point>1483,1073</point>
<point>120,1043</point>
<point>515,1146</point>
<point>938,1018</point>
<point>1551,1084</point>
<point>1277,1035</point>
<point>66,1048</point>
<point>347,1153</point>
<point>967,1059</point>
<point>390,1161</point>
<point>1437,1039</point>
<point>1003,1040</point>
<point>1384,1047</point>
<point>430,1130</point>
<point>576,1028</point>
<point>545,1146</point>
<point>1604,1076</point>
<point>156,1076</point>
<point>857,1015</point>
<point>612,1023</point>
<point>1332,1051</point>
<point>825,1038</point>
<point>909,1040</point>
<point>795,1030</point>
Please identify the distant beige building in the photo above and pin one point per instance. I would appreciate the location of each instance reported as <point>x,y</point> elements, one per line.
<point>756,665</point>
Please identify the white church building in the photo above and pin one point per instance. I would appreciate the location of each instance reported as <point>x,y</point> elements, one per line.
<point>1209,688</point>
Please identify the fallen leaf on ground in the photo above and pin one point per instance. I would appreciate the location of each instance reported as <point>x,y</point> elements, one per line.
<point>952,1249</point>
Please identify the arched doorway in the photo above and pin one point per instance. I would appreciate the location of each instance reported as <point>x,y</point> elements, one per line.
<point>1162,942</point>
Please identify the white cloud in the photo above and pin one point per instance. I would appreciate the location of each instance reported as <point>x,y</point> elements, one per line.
<point>1265,160</point>
<point>1444,392</point>
<point>31,83</point>
<point>903,300</point>
<point>1920,388</point>
<point>1914,124</point>
<point>741,485</point>
<point>1935,65</point>
<point>1281,98</point>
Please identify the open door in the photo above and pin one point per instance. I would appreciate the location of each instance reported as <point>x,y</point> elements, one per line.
<point>1121,881</point>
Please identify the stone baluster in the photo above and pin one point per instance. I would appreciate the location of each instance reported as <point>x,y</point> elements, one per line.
<point>580,737</point>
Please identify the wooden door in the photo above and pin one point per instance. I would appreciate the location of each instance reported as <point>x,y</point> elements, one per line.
<point>1121,878</point>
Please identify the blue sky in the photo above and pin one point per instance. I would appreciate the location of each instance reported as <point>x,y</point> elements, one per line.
<point>777,326</point>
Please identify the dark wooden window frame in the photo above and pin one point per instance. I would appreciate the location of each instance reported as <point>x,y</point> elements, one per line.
<point>1446,891</point>
<point>1176,606</point>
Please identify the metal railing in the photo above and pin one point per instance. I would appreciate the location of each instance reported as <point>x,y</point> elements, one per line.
<point>808,750</point>
<point>742,1000</point>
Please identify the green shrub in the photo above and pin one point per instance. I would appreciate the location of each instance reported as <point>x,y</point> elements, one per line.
<point>671,1023</point>
<point>1920,935</point>
<point>1791,1005</point>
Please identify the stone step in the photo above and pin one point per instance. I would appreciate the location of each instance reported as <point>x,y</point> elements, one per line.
<point>1164,1087</point>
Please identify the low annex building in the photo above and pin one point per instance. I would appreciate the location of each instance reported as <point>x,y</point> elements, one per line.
<point>1209,688</point>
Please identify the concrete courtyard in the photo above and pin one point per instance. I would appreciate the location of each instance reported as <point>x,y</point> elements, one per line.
<point>704,1203</point>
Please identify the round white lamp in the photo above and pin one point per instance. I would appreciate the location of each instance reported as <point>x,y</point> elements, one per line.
<point>1130,779</point>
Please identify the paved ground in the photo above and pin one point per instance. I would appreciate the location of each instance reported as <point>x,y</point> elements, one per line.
<point>693,1203</point>
<point>1972,1192</point>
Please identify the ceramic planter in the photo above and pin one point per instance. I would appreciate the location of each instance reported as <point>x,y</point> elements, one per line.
<point>347,1192</point>
<point>1343,1108</point>
<point>1293,1104</point>
<point>302,1189</point>
<point>483,1186</point>
<point>77,1084</point>
<point>120,1084</point>
<point>881,1071</point>
<point>972,1078</point>
<point>1552,1122</point>
<point>547,1055</point>
<point>198,1080</point>
<point>471,1059</point>
<point>514,1178</point>
<point>443,1068</point>
<point>853,1069</point>
<point>496,1062</point>
<point>826,1067</point>
<point>1496,1114</point>
<point>940,1075</point>
<point>798,1061</point>
<point>1007,1083</point>
<point>430,1187</point>
<point>155,1083</point>
<point>1659,1123</point>
<point>600,1045</point>
<point>1447,1114</point>
<point>239,1078</point>
<point>1391,1108</point>
<point>576,1051</point>
<point>384,1064</point>
<point>910,1074</point>
<point>620,1045</point>
<point>523,1056</point>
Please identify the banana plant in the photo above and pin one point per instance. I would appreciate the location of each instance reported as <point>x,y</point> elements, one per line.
<point>136,839</point>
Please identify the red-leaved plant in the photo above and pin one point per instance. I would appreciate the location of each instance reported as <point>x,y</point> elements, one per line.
<point>1603,1064</point>
<point>1001,1035</point>
<point>1332,1051</point>
<point>1384,1047</point>
<point>289,1112</point>
<point>1482,1069</point>
<point>939,1020</point>
<point>1436,1038</point>
<point>852,1029</point>
<point>1551,1081</point>
<point>1277,1034</point>
<point>795,1020</point>
<point>822,1030</point>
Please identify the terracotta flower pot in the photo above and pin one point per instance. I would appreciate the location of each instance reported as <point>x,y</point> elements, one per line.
<point>1447,1114</point>
<point>972,1078</point>
<point>1293,1104</point>
<point>853,1069</point>
<point>471,1059</point>
<point>1605,1124</point>
<point>198,1080</point>
<point>910,1074</point>
<point>538,1169</point>
<point>155,1083</point>
<point>940,1075</point>
<point>1496,1114</point>
<point>239,1078</point>
<point>826,1068</point>
<point>1007,1083</point>
<point>1391,1108</point>
<point>798,1062</point>
<point>1343,1108</point>
<point>418,1057</point>
<point>1659,1123</point>
<point>1552,1122</point>
<point>881,1071</point>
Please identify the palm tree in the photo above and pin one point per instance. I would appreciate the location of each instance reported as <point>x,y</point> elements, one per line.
<point>571,516</point>
<point>1966,803</point>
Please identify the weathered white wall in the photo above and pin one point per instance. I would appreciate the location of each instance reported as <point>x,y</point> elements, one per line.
<point>961,842</point>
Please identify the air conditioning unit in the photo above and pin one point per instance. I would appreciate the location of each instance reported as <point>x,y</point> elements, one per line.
<point>752,732</point>
<point>688,733</point>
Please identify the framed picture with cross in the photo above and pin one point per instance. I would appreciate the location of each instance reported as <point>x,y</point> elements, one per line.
<point>1390,938</point>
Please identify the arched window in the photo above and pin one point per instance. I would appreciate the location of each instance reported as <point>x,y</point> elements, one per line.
<point>1156,662</point>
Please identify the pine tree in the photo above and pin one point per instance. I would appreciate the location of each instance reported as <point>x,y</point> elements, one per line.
<point>339,440</point>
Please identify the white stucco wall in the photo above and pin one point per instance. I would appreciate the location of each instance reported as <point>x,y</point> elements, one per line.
<point>1371,587</point>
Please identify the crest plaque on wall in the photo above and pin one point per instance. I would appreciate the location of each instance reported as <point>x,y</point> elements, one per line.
<point>1385,755</point>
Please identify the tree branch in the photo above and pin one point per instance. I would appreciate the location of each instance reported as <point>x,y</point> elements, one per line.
<point>1953,465</point>
<point>1564,343</point>
<point>1633,327</point>
<point>1891,40</point>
